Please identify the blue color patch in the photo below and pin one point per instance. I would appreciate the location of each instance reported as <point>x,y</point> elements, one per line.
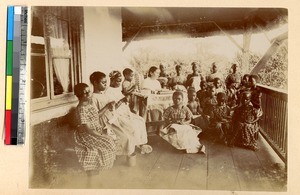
<point>10,23</point>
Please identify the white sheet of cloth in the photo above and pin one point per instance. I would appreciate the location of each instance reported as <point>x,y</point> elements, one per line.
<point>182,137</point>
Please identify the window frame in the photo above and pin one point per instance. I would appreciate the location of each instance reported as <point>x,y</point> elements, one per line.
<point>75,47</point>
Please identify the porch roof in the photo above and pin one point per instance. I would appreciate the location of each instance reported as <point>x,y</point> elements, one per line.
<point>140,23</point>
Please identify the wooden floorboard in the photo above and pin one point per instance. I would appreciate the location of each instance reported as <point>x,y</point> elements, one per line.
<point>249,171</point>
<point>125,177</point>
<point>165,169</point>
<point>192,173</point>
<point>221,169</point>
<point>273,167</point>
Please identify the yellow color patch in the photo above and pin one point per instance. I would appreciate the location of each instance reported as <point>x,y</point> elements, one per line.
<point>8,100</point>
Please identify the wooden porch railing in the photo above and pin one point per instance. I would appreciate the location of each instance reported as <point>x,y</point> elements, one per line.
<point>275,119</point>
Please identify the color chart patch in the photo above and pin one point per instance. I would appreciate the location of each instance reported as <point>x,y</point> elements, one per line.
<point>15,79</point>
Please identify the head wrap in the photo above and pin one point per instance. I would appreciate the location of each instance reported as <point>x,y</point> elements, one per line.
<point>115,74</point>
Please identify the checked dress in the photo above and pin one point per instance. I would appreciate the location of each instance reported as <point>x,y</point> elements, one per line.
<point>94,152</point>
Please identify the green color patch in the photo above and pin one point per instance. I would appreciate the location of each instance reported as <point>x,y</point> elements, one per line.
<point>9,58</point>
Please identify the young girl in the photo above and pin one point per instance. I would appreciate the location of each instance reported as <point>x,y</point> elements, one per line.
<point>245,81</point>
<point>218,85</point>
<point>194,79</point>
<point>245,120</point>
<point>214,73</point>
<point>245,86</point>
<point>255,91</point>
<point>221,119</point>
<point>202,93</point>
<point>231,93</point>
<point>234,78</point>
<point>194,106</point>
<point>163,76</point>
<point>95,150</point>
<point>210,101</point>
<point>128,87</point>
<point>178,131</point>
<point>178,81</point>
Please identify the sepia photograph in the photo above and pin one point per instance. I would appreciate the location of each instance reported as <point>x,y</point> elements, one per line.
<point>179,98</point>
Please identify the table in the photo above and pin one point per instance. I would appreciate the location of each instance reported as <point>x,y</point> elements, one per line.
<point>151,107</point>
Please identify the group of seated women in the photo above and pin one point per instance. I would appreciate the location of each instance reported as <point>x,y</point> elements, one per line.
<point>107,127</point>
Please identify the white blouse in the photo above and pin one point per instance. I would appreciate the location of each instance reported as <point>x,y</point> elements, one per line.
<point>114,94</point>
<point>153,85</point>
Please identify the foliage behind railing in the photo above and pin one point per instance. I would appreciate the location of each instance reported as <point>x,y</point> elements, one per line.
<point>275,119</point>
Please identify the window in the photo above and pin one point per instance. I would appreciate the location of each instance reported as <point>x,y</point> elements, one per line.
<point>56,39</point>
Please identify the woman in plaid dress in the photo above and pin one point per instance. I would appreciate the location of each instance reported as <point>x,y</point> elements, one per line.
<point>95,150</point>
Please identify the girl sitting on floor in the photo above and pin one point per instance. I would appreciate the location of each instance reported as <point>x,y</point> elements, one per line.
<point>178,131</point>
<point>245,120</point>
<point>209,103</point>
<point>221,119</point>
<point>193,103</point>
<point>194,106</point>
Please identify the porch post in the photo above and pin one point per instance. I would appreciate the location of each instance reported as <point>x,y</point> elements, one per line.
<point>246,52</point>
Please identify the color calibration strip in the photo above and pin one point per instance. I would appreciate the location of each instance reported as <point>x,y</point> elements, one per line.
<point>14,62</point>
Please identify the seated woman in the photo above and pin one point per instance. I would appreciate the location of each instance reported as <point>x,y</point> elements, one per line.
<point>178,131</point>
<point>95,150</point>
<point>126,143</point>
<point>245,120</point>
<point>151,81</point>
<point>130,121</point>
